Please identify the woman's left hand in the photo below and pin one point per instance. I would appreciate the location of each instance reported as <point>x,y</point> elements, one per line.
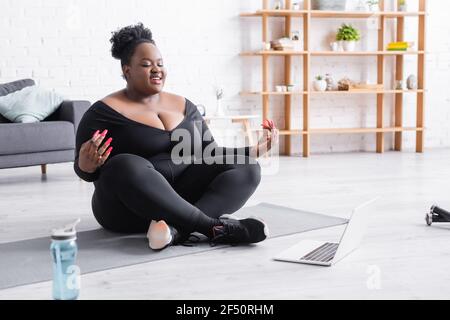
<point>270,138</point>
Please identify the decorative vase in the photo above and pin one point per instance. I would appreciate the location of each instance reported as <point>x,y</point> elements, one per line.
<point>411,82</point>
<point>320,85</point>
<point>330,82</point>
<point>349,45</point>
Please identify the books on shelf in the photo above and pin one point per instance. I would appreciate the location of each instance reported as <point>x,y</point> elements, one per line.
<point>399,46</point>
<point>365,87</point>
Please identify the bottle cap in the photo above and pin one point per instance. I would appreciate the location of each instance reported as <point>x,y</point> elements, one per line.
<point>68,232</point>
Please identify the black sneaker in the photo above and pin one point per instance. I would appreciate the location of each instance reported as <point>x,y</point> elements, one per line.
<point>234,232</point>
<point>161,235</point>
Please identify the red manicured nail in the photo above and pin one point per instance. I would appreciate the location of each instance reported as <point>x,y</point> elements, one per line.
<point>268,124</point>
<point>95,133</point>
<point>109,141</point>
<point>272,124</point>
<point>109,150</point>
<point>104,132</point>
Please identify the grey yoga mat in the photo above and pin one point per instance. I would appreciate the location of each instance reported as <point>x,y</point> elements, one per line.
<point>28,261</point>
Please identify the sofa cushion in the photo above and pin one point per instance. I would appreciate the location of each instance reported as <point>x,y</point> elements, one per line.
<point>31,104</point>
<point>10,87</point>
<point>18,138</point>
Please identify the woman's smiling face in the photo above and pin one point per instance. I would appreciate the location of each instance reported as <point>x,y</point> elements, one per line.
<point>146,71</point>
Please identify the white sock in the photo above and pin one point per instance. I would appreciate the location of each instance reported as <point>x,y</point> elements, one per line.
<point>159,235</point>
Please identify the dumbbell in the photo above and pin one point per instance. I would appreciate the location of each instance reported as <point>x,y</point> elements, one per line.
<point>437,215</point>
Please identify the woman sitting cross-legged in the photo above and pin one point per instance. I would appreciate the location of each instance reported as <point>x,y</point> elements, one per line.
<point>126,145</point>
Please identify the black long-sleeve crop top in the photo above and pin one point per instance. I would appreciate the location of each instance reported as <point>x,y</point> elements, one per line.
<point>133,137</point>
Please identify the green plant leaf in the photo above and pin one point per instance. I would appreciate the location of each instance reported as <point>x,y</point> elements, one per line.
<point>348,33</point>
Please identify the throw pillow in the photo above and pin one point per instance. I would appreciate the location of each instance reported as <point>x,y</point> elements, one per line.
<point>31,104</point>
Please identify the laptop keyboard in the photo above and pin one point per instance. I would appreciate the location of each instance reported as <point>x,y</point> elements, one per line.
<point>324,253</point>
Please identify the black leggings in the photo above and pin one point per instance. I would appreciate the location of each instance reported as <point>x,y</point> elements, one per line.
<point>132,191</point>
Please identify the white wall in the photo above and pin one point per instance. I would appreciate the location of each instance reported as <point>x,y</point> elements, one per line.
<point>64,45</point>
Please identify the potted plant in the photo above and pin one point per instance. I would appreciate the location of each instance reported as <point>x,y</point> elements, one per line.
<point>402,6</point>
<point>373,5</point>
<point>320,84</point>
<point>348,35</point>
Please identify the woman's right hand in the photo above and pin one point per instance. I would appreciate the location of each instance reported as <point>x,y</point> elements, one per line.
<point>92,156</point>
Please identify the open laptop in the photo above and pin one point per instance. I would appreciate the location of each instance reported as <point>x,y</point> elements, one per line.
<point>325,253</point>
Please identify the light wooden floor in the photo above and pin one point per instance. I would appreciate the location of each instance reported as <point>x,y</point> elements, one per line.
<point>400,258</point>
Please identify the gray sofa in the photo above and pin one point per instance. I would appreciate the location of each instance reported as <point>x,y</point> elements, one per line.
<point>46,142</point>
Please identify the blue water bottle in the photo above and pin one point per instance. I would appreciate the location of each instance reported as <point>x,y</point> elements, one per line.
<point>66,274</point>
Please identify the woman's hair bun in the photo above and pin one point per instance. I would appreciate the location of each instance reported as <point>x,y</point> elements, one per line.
<point>125,40</point>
